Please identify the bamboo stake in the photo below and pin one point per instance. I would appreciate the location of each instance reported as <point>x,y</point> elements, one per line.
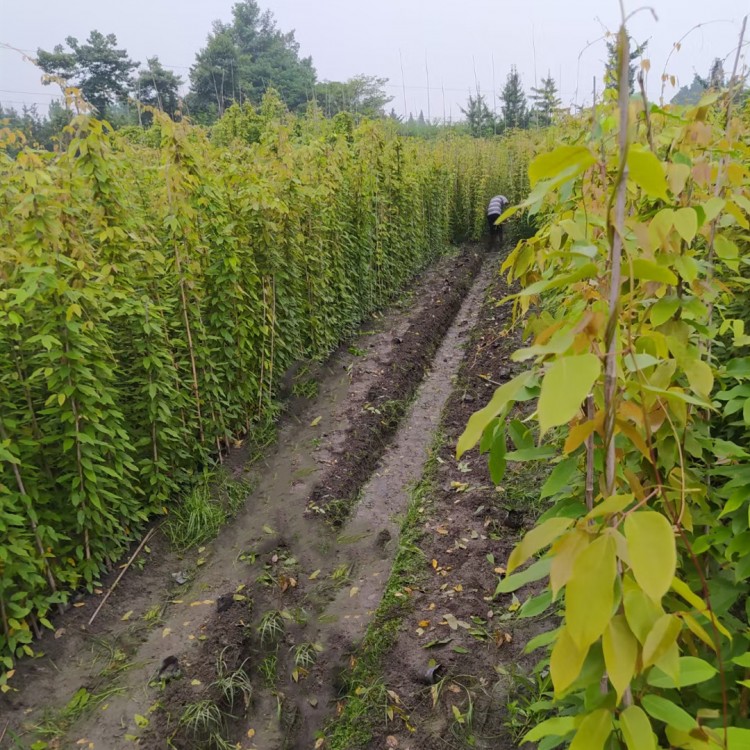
<point>122,572</point>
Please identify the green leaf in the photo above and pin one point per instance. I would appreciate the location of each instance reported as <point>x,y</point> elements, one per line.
<point>535,605</point>
<point>535,572</point>
<point>725,248</point>
<point>636,729</point>
<point>647,172</point>
<point>589,594</point>
<point>692,672</point>
<point>663,310</point>
<point>141,721</point>
<point>558,726</point>
<point>672,715</point>
<point>560,165</point>
<point>594,731</point>
<point>686,223</point>
<point>652,550</point>
<point>559,477</point>
<point>647,270</point>
<point>566,384</point>
<point>539,537</point>
<point>480,419</point>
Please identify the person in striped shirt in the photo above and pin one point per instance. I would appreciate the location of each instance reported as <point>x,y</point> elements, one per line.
<point>495,209</point>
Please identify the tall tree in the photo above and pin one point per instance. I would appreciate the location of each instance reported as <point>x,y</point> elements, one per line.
<point>101,70</point>
<point>480,120</point>
<point>244,58</point>
<point>515,109</point>
<point>545,102</point>
<point>158,87</point>
<point>361,95</point>
<point>610,72</point>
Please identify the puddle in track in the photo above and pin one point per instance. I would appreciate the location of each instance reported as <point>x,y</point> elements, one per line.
<point>272,520</point>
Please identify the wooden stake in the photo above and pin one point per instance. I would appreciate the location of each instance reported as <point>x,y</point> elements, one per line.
<point>122,573</point>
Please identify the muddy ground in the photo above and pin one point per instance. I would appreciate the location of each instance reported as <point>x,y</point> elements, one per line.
<point>254,633</point>
<point>455,674</point>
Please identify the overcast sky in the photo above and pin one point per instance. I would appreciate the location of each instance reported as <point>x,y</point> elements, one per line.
<point>455,40</point>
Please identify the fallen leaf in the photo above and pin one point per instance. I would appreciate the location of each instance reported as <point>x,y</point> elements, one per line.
<point>166,632</point>
<point>320,741</point>
<point>441,530</point>
<point>267,529</point>
<point>460,650</point>
<point>195,683</point>
<point>59,633</point>
<point>391,742</point>
<point>80,604</point>
<point>451,621</point>
<point>250,733</point>
<point>437,642</point>
<point>315,422</point>
<point>313,575</point>
<point>424,623</point>
<point>434,564</point>
<point>127,615</point>
<point>353,591</point>
<point>458,587</point>
<point>499,570</point>
<point>141,721</point>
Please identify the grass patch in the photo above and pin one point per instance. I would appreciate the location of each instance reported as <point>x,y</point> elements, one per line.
<point>367,701</point>
<point>208,506</point>
<point>56,724</point>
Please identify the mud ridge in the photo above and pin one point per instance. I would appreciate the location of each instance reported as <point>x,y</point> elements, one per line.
<point>387,399</point>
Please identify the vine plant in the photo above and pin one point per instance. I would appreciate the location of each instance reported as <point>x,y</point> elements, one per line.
<point>634,293</point>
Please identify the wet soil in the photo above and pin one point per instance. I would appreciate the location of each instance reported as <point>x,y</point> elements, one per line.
<point>455,632</point>
<point>275,557</point>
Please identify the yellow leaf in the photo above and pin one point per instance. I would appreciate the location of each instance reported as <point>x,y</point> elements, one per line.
<point>564,552</point>
<point>566,384</point>
<point>620,653</point>
<point>578,435</point>
<point>589,595</point>
<point>560,165</point>
<point>636,729</point>
<point>127,615</point>
<point>698,630</point>
<point>594,731</point>
<point>353,591</point>
<point>424,623</point>
<point>662,635</point>
<point>251,734</point>
<point>166,632</point>
<point>653,553</point>
<point>195,683</point>
<point>684,591</point>
<point>314,575</point>
<point>539,537</point>
<point>699,375</point>
<point>315,422</point>
<point>647,172</point>
<point>566,661</point>
<point>686,223</point>
<point>640,610</point>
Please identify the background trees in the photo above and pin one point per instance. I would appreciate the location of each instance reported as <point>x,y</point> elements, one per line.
<point>545,102</point>
<point>101,70</point>
<point>481,122</point>
<point>158,87</point>
<point>244,58</point>
<point>362,95</point>
<point>515,108</point>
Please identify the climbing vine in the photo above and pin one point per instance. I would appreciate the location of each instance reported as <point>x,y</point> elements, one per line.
<point>155,286</point>
<point>634,297</point>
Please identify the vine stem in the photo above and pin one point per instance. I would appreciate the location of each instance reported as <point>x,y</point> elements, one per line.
<point>615,269</point>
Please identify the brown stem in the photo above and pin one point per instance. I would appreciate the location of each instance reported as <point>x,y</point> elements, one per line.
<point>590,455</point>
<point>610,381</point>
<point>189,334</point>
<point>647,114</point>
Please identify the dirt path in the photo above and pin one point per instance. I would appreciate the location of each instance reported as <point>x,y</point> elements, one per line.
<point>276,559</point>
<point>455,674</point>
